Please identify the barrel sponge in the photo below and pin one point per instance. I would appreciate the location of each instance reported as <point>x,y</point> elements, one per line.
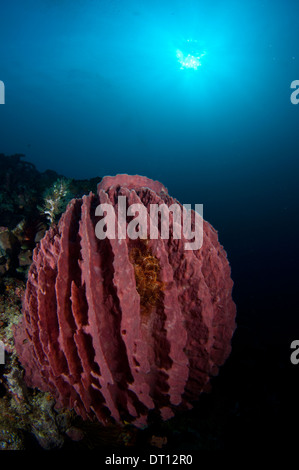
<point>121,329</point>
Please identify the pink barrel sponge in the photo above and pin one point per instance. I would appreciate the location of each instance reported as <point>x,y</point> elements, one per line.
<point>119,328</point>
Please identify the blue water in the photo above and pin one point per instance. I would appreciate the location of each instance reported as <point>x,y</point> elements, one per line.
<point>95,88</point>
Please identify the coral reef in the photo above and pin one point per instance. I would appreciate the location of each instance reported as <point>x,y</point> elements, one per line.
<point>23,411</point>
<point>22,186</point>
<point>11,296</point>
<point>29,201</point>
<point>26,412</point>
<point>84,336</point>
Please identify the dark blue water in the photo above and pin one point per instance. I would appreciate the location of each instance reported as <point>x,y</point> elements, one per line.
<point>95,88</point>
